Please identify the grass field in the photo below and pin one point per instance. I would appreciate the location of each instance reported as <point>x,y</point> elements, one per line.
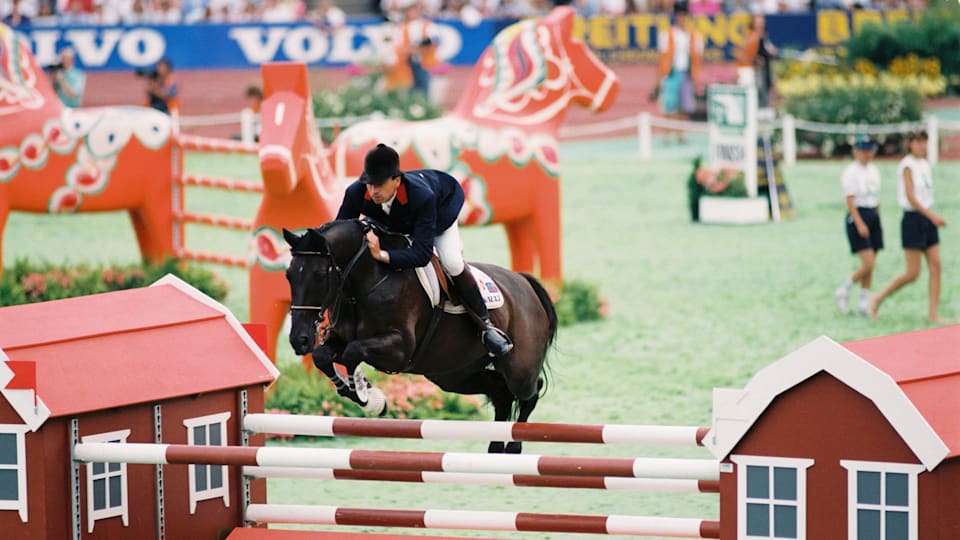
<point>693,307</point>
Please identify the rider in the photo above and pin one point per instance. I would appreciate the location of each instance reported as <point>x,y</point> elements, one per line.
<point>424,204</point>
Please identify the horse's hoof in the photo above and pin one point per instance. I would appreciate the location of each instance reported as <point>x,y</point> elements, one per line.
<point>514,447</point>
<point>376,404</point>
<point>495,448</point>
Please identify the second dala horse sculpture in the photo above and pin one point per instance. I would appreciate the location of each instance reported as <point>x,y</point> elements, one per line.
<point>501,139</point>
<point>59,160</point>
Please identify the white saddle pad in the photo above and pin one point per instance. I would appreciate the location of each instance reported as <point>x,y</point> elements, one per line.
<point>489,290</point>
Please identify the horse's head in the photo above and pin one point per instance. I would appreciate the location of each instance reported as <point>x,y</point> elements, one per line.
<point>320,263</point>
<point>23,87</point>
<point>288,131</point>
<point>533,71</point>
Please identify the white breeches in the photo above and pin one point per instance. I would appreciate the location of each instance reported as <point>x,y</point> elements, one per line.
<point>450,250</point>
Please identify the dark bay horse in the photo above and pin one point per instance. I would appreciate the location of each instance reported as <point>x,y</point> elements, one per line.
<point>381,316</point>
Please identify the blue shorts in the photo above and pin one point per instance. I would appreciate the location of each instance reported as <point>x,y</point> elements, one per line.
<point>917,231</point>
<point>871,218</point>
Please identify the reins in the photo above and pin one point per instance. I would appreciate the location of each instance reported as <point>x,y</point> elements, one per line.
<point>342,277</point>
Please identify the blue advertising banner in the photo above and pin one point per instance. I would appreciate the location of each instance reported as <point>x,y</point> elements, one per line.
<point>626,39</point>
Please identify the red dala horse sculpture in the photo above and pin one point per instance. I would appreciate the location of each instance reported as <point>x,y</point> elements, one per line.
<point>501,139</point>
<point>57,160</point>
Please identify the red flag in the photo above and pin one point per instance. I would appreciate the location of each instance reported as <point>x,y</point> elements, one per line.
<point>24,376</point>
<point>258,332</point>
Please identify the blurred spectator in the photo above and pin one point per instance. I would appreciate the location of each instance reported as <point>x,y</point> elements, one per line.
<point>395,65</point>
<point>418,36</point>
<point>45,16</point>
<point>681,49</point>
<point>278,11</point>
<point>68,80</point>
<point>327,17</point>
<point>162,91</point>
<point>754,60</point>
<point>75,11</point>
<point>704,7</point>
<point>254,97</point>
<point>16,17</point>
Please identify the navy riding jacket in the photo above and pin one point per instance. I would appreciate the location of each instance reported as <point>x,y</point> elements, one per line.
<point>427,203</point>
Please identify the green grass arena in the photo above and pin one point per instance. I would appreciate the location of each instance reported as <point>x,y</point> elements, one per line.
<point>693,307</point>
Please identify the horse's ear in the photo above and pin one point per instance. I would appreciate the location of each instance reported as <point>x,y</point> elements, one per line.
<point>562,17</point>
<point>291,238</point>
<point>317,241</point>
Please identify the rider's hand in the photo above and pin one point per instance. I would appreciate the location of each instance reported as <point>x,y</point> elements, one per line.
<point>373,244</point>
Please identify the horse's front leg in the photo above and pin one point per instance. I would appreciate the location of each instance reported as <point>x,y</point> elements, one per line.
<point>381,350</point>
<point>324,355</point>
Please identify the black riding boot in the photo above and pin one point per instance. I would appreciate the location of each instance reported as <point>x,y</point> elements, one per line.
<point>497,342</point>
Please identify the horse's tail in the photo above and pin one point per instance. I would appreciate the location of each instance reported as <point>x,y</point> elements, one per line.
<point>544,297</point>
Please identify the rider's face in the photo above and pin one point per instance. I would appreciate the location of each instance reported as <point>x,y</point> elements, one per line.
<point>382,193</point>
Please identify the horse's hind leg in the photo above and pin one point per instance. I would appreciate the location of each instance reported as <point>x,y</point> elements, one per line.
<point>526,407</point>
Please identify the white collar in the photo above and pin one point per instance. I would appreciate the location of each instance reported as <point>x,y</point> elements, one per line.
<point>389,204</point>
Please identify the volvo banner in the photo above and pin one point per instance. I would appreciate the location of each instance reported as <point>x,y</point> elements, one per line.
<point>626,39</point>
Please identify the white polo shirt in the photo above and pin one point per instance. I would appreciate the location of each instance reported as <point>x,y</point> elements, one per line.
<point>922,182</point>
<point>863,182</point>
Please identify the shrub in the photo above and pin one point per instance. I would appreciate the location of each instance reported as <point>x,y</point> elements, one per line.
<point>935,35</point>
<point>579,301</point>
<point>303,391</point>
<point>362,98</point>
<point>28,282</point>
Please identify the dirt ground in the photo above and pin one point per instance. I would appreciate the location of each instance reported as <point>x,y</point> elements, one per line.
<point>222,91</point>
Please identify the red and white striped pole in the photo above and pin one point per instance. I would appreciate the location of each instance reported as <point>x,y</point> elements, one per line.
<point>457,462</point>
<point>465,430</point>
<point>485,520</point>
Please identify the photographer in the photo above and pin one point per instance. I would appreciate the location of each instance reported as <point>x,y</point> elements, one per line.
<point>162,92</point>
<point>68,80</point>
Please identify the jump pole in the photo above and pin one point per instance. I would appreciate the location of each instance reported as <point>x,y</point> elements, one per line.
<point>336,458</point>
<point>465,430</point>
<point>485,520</point>
<point>670,485</point>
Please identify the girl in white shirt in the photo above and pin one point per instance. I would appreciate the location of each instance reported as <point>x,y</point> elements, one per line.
<point>918,229</point>
<point>861,189</point>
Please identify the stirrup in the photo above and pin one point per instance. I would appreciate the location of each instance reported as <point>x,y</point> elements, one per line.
<point>496,341</point>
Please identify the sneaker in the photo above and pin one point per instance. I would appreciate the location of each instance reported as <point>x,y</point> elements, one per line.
<point>842,296</point>
<point>863,306</point>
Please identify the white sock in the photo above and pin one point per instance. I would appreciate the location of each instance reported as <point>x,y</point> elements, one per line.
<point>865,294</point>
<point>847,285</point>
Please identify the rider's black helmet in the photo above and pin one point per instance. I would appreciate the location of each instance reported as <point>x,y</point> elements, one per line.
<point>381,164</point>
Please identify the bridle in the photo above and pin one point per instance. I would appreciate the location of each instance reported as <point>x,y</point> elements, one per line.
<point>342,276</point>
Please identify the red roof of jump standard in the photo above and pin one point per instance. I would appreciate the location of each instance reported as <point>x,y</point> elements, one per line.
<point>243,533</point>
<point>133,346</point>
<point>926,366</point>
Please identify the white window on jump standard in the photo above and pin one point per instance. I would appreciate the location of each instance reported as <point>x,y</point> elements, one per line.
<point>208,481</point>
<point>13,469</point>
<point>771,497</point>
<point>107,484</point>
<point>881,500</point>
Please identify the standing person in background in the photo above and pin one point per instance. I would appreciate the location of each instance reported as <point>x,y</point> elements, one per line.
<point>918,229</point>
<point>681,48</point>
<point>861,189</point>
<point>68,80</point>
<point>754,61</point>
<point>417,35</point>
<point>16,18</point>
<point>163,94</point>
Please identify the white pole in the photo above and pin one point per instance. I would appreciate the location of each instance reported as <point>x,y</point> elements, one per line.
<point>247,121</point>
<point>789,140</point>
<point>933,142</point>
<point>644,135</point>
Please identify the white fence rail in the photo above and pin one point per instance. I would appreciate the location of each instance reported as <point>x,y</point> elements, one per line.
<point>643,123</point>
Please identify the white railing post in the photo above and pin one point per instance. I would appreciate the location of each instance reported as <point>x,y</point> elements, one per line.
<point>644,135</point>
<point>247,126</point>
<point>789,140</point>
<point>933,139</point>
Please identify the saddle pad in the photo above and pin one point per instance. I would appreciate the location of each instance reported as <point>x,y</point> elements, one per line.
<point>489,291</point>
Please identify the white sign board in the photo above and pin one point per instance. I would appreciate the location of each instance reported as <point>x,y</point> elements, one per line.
<point>732,122</point>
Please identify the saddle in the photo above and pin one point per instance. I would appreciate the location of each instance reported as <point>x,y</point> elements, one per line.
<point>436,282</point>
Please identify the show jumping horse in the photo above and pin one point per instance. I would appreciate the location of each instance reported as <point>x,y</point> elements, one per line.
<point>501,140</point>
<point>59,160</point>
<point>383,317</point>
